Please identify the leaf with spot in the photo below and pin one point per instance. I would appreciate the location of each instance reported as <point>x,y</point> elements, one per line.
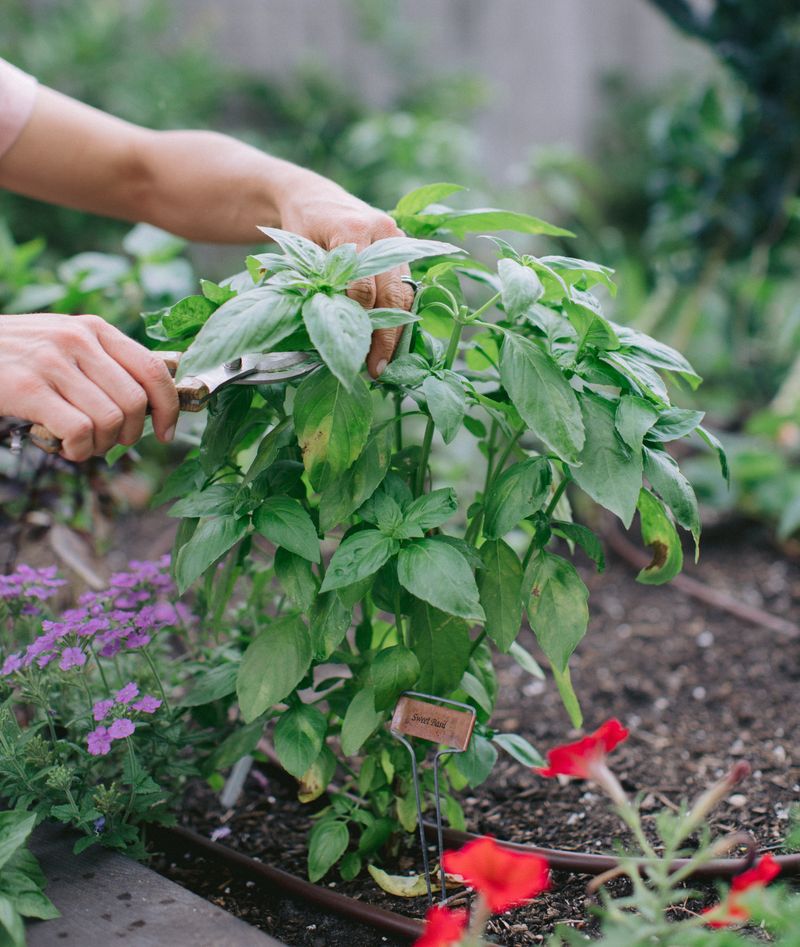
<point>557,606</point>
<point>661,536</point>
<point>332,424</point>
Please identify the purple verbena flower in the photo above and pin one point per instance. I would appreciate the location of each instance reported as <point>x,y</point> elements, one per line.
<point>99,741</point>
<point>121,728</point>
<point>127,693</point>
<point>102,709</point>
<point>147,705</point>
<point>137,640</point>
<point>11,664</point>
<point>71,658</point>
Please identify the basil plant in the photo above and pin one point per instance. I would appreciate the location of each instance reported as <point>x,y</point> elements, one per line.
<point>362,576</point>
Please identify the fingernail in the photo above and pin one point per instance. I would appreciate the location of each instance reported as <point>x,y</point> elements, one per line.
<point>380,366</point>
<point>169,434</point>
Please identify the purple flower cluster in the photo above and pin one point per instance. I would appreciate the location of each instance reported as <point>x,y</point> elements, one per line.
<point>124,616</point>
<point>100,739</point>
<point>28,586</point>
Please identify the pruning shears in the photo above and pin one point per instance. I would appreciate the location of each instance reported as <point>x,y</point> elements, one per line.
<point>195,391</point>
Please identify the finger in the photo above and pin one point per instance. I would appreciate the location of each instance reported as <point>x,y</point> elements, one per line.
<point>150,372</point>
<point>71,426</point>
<point>384,342</point>
<point>363,291</point>
<point>124,390</point>
<point>104,413</point>
<point>392,293</point>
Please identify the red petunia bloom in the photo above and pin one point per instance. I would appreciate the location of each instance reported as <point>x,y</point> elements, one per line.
<point>731,910</point>
<point>583,756</point>
<point>503,877</point>
<point>443,927</point>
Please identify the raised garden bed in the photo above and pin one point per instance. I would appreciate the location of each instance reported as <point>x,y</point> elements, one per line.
<point>700,689</point>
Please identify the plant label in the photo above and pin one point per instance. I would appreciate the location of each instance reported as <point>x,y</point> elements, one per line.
<point>444,725</point>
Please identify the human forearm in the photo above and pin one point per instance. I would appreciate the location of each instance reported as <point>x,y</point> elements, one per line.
<point>209,187</point>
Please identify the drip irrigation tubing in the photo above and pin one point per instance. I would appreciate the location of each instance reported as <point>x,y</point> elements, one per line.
<point>177,838</point>
<point>585,863</point>
<point>700,591</point>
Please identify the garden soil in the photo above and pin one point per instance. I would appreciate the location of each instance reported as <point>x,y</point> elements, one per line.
<point>699,691</point>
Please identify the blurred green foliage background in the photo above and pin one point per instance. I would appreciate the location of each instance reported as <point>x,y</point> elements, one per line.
<point>690,190</point>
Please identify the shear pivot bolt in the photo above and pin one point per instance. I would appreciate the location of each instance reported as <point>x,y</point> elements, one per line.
<point>233,365</point>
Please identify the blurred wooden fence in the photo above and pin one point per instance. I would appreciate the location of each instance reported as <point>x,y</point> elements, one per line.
<point>541,60</point>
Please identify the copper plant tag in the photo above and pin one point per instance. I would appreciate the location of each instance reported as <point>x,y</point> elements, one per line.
<point>418,718</point>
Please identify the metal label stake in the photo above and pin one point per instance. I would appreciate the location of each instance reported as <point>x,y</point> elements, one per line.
<point>450,726</point>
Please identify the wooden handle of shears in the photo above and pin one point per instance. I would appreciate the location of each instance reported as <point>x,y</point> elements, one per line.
<point>192,396</point>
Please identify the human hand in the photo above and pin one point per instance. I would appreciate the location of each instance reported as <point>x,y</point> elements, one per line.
<point>328,215</point>
<point>84,380</point>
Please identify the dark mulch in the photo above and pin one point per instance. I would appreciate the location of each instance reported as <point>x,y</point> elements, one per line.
<point>698,689</point>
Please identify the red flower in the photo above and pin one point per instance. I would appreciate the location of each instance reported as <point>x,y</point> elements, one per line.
<point>580,758</point>
<point>442,927</point>
<point>731,910</point>
<point>503,877</point>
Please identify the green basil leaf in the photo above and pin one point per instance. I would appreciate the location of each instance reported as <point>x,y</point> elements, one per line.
<point>519,491</point>
<point>487,219</point>
<point>659,533</point>
<point>330,620</point>
<point>211,540</point>
<point>285,523</point>
<point>609,472</point>
<point>392,671</point>
<point>318,777</point>
<point>406,370</point>
<point>442,646</point>
<point>391,318</point>
<point>477,761</point>
<point>633,419</point>
<point>273,665</point>
<point>519,748</point>
<point>327,843</point>
<point>715,444</point>
<point>585,538</point>
<point>298,738</point>
<point>340,331</point>
<point>386,254</point>
<point>526,661</point>
<point>557,606</point>
<point>356,485</point>
<point>358,556</point>
<point>667,480</point>
<point>216,500</point>
<point>254,321</point>
<point>280,436</point>
<point>543,396</point>
<point>581,271</point>
<point>187,316</point>
<point>674,423</point>
<point>432,509</point>
<point>296,577</point>
<point>422,197</point>
<point>521,287</point>
<point>436,573</point>
<point>305,255</point>
<point>332,425</point>
<point>592,328</point>
<point>360,721</point>
<point>500,587</point>
<point>447,403</point>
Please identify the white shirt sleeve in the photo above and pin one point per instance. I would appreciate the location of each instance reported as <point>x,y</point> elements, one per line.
<point>17,95</point>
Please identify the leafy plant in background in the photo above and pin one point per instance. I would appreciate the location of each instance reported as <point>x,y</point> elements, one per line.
<point>552,394</point>
<point>22,882</point>
<point>697,206</point>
